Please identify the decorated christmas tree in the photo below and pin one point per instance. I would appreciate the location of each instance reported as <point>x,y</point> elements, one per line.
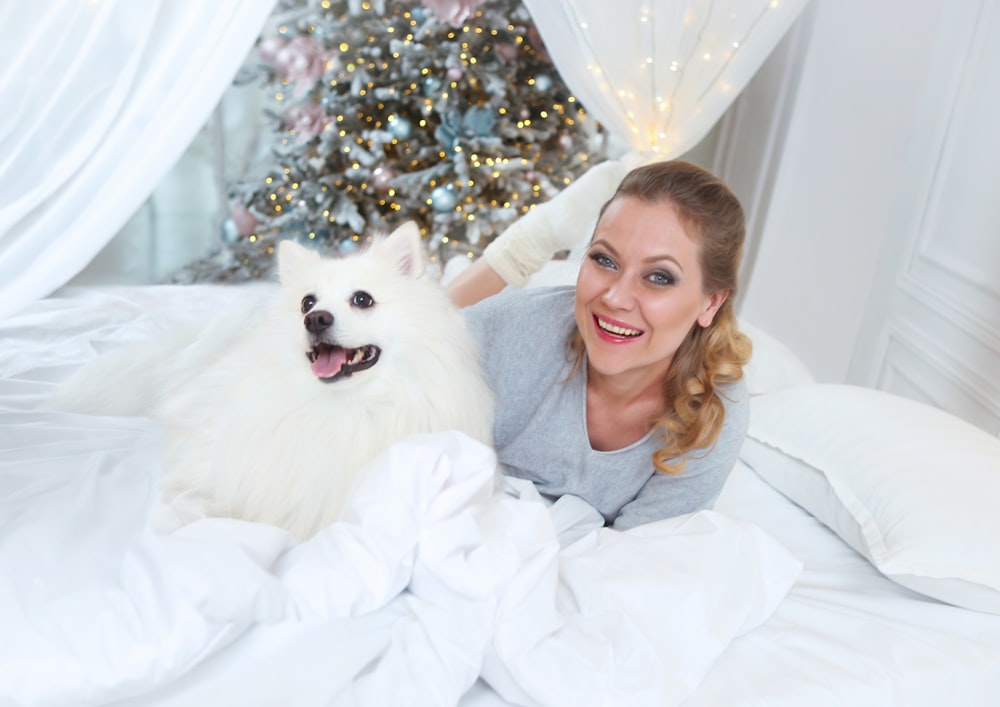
<point>448,113</point>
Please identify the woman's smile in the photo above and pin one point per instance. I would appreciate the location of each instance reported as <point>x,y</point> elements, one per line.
<point>615,331</point>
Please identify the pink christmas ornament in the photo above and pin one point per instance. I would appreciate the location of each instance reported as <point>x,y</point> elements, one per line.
<point>455,73</point>
<point>243,220</point>
<point>268,48</point>
<point>307,120</point>
<point>535,38</point>
<point>382,178</point>
<point>302,62</point>
<point>454,12</point>
<point>507,52</point>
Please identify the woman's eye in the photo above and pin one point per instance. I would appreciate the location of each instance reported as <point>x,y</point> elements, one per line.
<point>308,302</point>
<point>362,300</point>
<point>602,260</point>
<point>661,278</point>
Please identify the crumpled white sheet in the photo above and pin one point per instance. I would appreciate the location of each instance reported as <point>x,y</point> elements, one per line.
<point>435,577</point>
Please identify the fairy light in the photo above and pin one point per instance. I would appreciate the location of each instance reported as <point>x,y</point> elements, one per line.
<point>494,177</point>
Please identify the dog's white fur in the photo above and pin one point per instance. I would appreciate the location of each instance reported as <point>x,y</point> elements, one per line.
<point>254,433</point>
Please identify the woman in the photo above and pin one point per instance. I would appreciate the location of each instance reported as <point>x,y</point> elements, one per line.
<point>628,390</point>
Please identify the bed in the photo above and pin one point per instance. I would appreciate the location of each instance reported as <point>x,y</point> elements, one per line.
<point>851,559</point>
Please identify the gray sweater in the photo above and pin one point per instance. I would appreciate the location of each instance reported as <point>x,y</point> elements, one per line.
<point>541,430</point>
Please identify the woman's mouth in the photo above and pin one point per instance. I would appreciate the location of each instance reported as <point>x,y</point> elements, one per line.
<point>610,330</point>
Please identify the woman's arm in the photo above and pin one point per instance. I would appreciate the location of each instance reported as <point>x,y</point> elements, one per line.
<point>476,282</point>
<point>528,243</point>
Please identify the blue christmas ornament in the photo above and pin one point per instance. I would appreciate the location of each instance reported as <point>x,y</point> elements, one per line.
<point>543,83</point>
<point>228,232</point>
<point>478,121</point>
<point>443,199</point>
<point>432,84</point>
<point>418,13</point>
<point>400,128</point>
<point>347,246</point>
<point>447,133</point>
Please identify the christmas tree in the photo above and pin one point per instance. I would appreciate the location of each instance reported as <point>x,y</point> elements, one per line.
<point>450,114</point>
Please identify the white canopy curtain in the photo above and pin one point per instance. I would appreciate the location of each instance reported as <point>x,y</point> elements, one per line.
<point>99,99</point>
<point>658,74</point>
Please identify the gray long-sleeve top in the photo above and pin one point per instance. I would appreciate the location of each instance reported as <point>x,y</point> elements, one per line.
<point>541,418</point>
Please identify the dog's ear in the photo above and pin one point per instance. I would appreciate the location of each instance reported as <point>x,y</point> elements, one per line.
<point>292,258</point>
<point>404,245</point>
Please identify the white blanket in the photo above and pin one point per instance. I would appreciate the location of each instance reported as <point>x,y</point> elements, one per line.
<point>435,578</point>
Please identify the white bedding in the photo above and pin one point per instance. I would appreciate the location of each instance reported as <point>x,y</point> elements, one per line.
<point>845,634</point>
<point>438,590</point>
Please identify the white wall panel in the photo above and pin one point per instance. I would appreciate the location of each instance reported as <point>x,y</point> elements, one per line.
<point>941,310</point>
<point>880,257</point>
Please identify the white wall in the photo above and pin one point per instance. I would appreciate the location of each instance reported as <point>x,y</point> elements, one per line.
<point>181,220</point>
<point>878,254</point>
<point>850,127</point>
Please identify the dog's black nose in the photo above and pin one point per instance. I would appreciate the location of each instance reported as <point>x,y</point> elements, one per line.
<point>318,321</point>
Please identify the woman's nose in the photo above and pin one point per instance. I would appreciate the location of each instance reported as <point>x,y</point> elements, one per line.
<point>619,295</point>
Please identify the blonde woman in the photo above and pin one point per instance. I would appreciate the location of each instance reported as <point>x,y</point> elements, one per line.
<point>626,390</point>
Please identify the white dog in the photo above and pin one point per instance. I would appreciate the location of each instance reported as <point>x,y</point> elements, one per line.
<point>271,421</point>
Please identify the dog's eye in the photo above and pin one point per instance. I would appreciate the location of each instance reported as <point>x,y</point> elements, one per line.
<point>308,302</point>
<point>362,300</point>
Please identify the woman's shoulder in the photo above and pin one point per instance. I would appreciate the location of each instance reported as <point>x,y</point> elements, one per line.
<point>513,306</point>
<point>522,330</point>
<point>735,397</point>
<point>530,298</point>
<point>735,393</point>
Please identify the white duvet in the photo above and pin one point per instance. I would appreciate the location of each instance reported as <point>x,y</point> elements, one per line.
<point>437,582</point>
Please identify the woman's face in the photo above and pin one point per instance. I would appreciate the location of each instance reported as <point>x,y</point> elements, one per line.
<point>639,291</point>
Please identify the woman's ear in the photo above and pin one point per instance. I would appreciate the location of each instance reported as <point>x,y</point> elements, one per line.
<point>712,304</point>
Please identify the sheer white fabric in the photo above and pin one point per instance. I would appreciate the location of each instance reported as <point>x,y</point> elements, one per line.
<point>100,98</point>
<point>658,74</point>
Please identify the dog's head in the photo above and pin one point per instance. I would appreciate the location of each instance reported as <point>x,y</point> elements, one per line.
<point>350,308</point>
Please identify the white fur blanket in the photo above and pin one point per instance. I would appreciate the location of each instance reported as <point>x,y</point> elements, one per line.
<point>435,585</point>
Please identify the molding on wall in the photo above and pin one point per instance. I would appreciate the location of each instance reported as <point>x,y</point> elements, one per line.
<point>942,302</point>
<point>939,377</point>
<point>941,321</point>
<point>907,263</point>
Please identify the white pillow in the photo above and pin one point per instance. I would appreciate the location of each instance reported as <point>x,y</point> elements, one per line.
<point>772,366</point>
<point>914,489</point>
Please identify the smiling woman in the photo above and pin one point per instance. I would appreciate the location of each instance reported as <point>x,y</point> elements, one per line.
<point>626,390</point>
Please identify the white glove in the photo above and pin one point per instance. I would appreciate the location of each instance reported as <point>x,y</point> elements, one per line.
<point>559,224</point>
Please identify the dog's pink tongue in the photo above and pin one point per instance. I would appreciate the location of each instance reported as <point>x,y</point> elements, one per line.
<point>328,363</point>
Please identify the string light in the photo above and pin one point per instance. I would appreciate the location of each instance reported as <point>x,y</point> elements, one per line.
<point>494,172</point>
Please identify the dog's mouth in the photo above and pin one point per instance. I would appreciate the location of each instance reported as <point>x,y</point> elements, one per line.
<point>330,363</point>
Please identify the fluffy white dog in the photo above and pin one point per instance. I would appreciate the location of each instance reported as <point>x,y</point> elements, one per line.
<point>271,420</point>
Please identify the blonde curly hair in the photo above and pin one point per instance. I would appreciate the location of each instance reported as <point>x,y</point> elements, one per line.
<point>711,356</point>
